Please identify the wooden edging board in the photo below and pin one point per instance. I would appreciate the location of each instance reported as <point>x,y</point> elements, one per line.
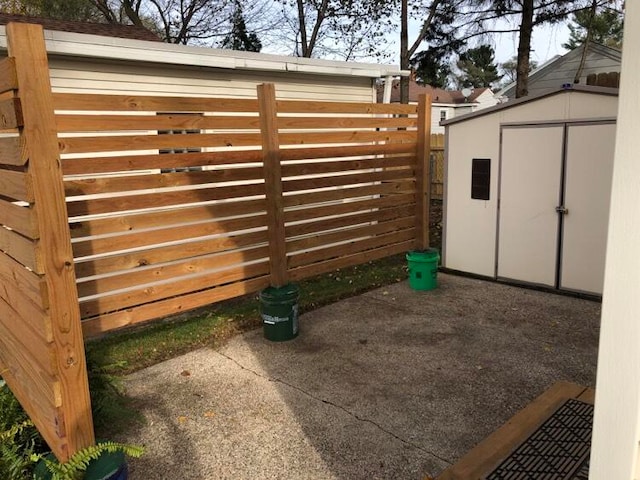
<point>484,457</point>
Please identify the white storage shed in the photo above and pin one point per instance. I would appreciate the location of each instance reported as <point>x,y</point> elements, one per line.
<point>527,187</point>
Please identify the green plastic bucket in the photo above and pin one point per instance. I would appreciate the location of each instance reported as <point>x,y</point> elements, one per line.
<point>423,269</point>
<point>279,312</point>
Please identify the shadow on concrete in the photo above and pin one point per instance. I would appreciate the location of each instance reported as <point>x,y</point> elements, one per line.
<point>391,384</point>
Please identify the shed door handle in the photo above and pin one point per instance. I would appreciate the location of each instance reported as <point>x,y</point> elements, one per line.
<point>562,209</point>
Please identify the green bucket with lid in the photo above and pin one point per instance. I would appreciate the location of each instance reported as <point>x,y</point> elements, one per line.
<point>423,269</point>
<point>279,312</point>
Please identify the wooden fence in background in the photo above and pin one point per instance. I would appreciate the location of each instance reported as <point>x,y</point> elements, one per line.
<point>437,166</point>
<point>118,210</point>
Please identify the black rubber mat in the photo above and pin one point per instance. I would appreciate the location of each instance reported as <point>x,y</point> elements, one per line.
<point>557,450</point>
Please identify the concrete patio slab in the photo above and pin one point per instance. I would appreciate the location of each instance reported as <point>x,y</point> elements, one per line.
<point>392,384</point>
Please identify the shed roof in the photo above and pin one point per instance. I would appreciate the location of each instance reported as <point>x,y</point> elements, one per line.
<point>96,46</point>
<point>93,28</point>
<point>532,98</point>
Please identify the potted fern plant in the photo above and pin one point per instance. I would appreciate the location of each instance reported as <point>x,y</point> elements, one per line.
<point>103,461</point>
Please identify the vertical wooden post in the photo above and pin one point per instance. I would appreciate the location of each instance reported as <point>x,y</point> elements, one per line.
<point>273,184</point>
<point>423,172</point>
<point>25,44</point>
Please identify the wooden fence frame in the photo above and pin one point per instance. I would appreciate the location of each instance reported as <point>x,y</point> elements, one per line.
<point>33,158</point>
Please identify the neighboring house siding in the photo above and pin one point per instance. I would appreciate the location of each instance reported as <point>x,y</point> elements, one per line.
<point>84,76</point>
<point>563,70</point>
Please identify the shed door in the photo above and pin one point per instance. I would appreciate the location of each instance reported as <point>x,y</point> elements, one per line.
<point>589,167</point>
<point>530,184</point>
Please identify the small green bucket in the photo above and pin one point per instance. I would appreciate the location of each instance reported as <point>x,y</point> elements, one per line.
<point>423,269</point>
<point>279,311</point>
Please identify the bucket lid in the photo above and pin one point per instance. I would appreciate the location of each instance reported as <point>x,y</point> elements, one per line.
<point>288,290</point>
<point>427,253</point>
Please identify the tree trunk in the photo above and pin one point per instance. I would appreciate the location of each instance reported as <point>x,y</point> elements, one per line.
<point>524,49</point>
<point>404,51</point>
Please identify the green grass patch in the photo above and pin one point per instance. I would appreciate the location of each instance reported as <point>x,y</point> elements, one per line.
<point>125,352</point>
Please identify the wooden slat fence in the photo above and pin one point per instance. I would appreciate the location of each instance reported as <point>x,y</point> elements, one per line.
<point>120,209</point>
<point>41,344</point>
<point>437,166</point>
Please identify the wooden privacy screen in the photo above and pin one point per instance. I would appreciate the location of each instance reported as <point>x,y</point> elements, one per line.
<point>41,344</point>
<point>115,210</point>
<point>178,202</point>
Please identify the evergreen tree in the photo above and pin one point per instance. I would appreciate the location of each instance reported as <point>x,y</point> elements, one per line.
<point>606,28</point>
<point>478,68</point>
<point>431,68</point>
<point>239,38</point>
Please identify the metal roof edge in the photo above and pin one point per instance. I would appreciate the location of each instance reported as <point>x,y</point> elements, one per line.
<point>514,103</point>
<point>114,48</point>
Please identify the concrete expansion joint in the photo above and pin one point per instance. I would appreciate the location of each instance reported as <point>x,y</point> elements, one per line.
<point>340,407</point>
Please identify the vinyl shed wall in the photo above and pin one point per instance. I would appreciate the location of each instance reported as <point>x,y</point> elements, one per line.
<point>78,75</point>
<point>470,230</point>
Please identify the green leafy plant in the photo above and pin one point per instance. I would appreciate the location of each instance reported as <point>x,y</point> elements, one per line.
<point>19,439</point>
<point>76,466</point>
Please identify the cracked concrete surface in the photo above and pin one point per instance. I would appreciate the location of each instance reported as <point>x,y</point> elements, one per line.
<point>393,384</point>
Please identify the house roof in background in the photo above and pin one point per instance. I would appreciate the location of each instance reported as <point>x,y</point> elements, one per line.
<point>133,32</point>
<point>555,62</point>
<point>438,95</point>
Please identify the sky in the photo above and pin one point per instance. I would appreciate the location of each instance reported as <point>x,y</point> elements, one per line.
<point>546,43</point>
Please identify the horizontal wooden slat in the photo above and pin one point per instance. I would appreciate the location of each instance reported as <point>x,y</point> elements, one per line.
<point>97,123</point>
<point>119,143</point>
<point>352,136</point>
<point>303,106</point>
<point>94,123</point>
<point>99,246</point>
<point>341,180</point>
<point>163,199</point>
<point>10,113</point>
<point>20,248</point>
<point>26,348</point>
<point>306,153</point>
<point>348,207</point>
<point>348,193</point>
<point>31,285</point>
<point>45,416</point>
<point>286,123</point>
<point>90,101</point>
<point>315,241</point>
<point>317,168</point>
<point>163,272</point>
<point>30,313</point>
<point>165,217</point>
<point>349,220</point>
<point>159,180</point>
<point>125,163</point>
<point>8,79</point>
<point>125,261</point>
<point>176,216</point>
<point>16,185</point>
<point>324,254</point>
<point>299,273</point>
<point>20,219</point>
<point>13,151</point>
<point>97,326</point>
<point>181,286</point>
